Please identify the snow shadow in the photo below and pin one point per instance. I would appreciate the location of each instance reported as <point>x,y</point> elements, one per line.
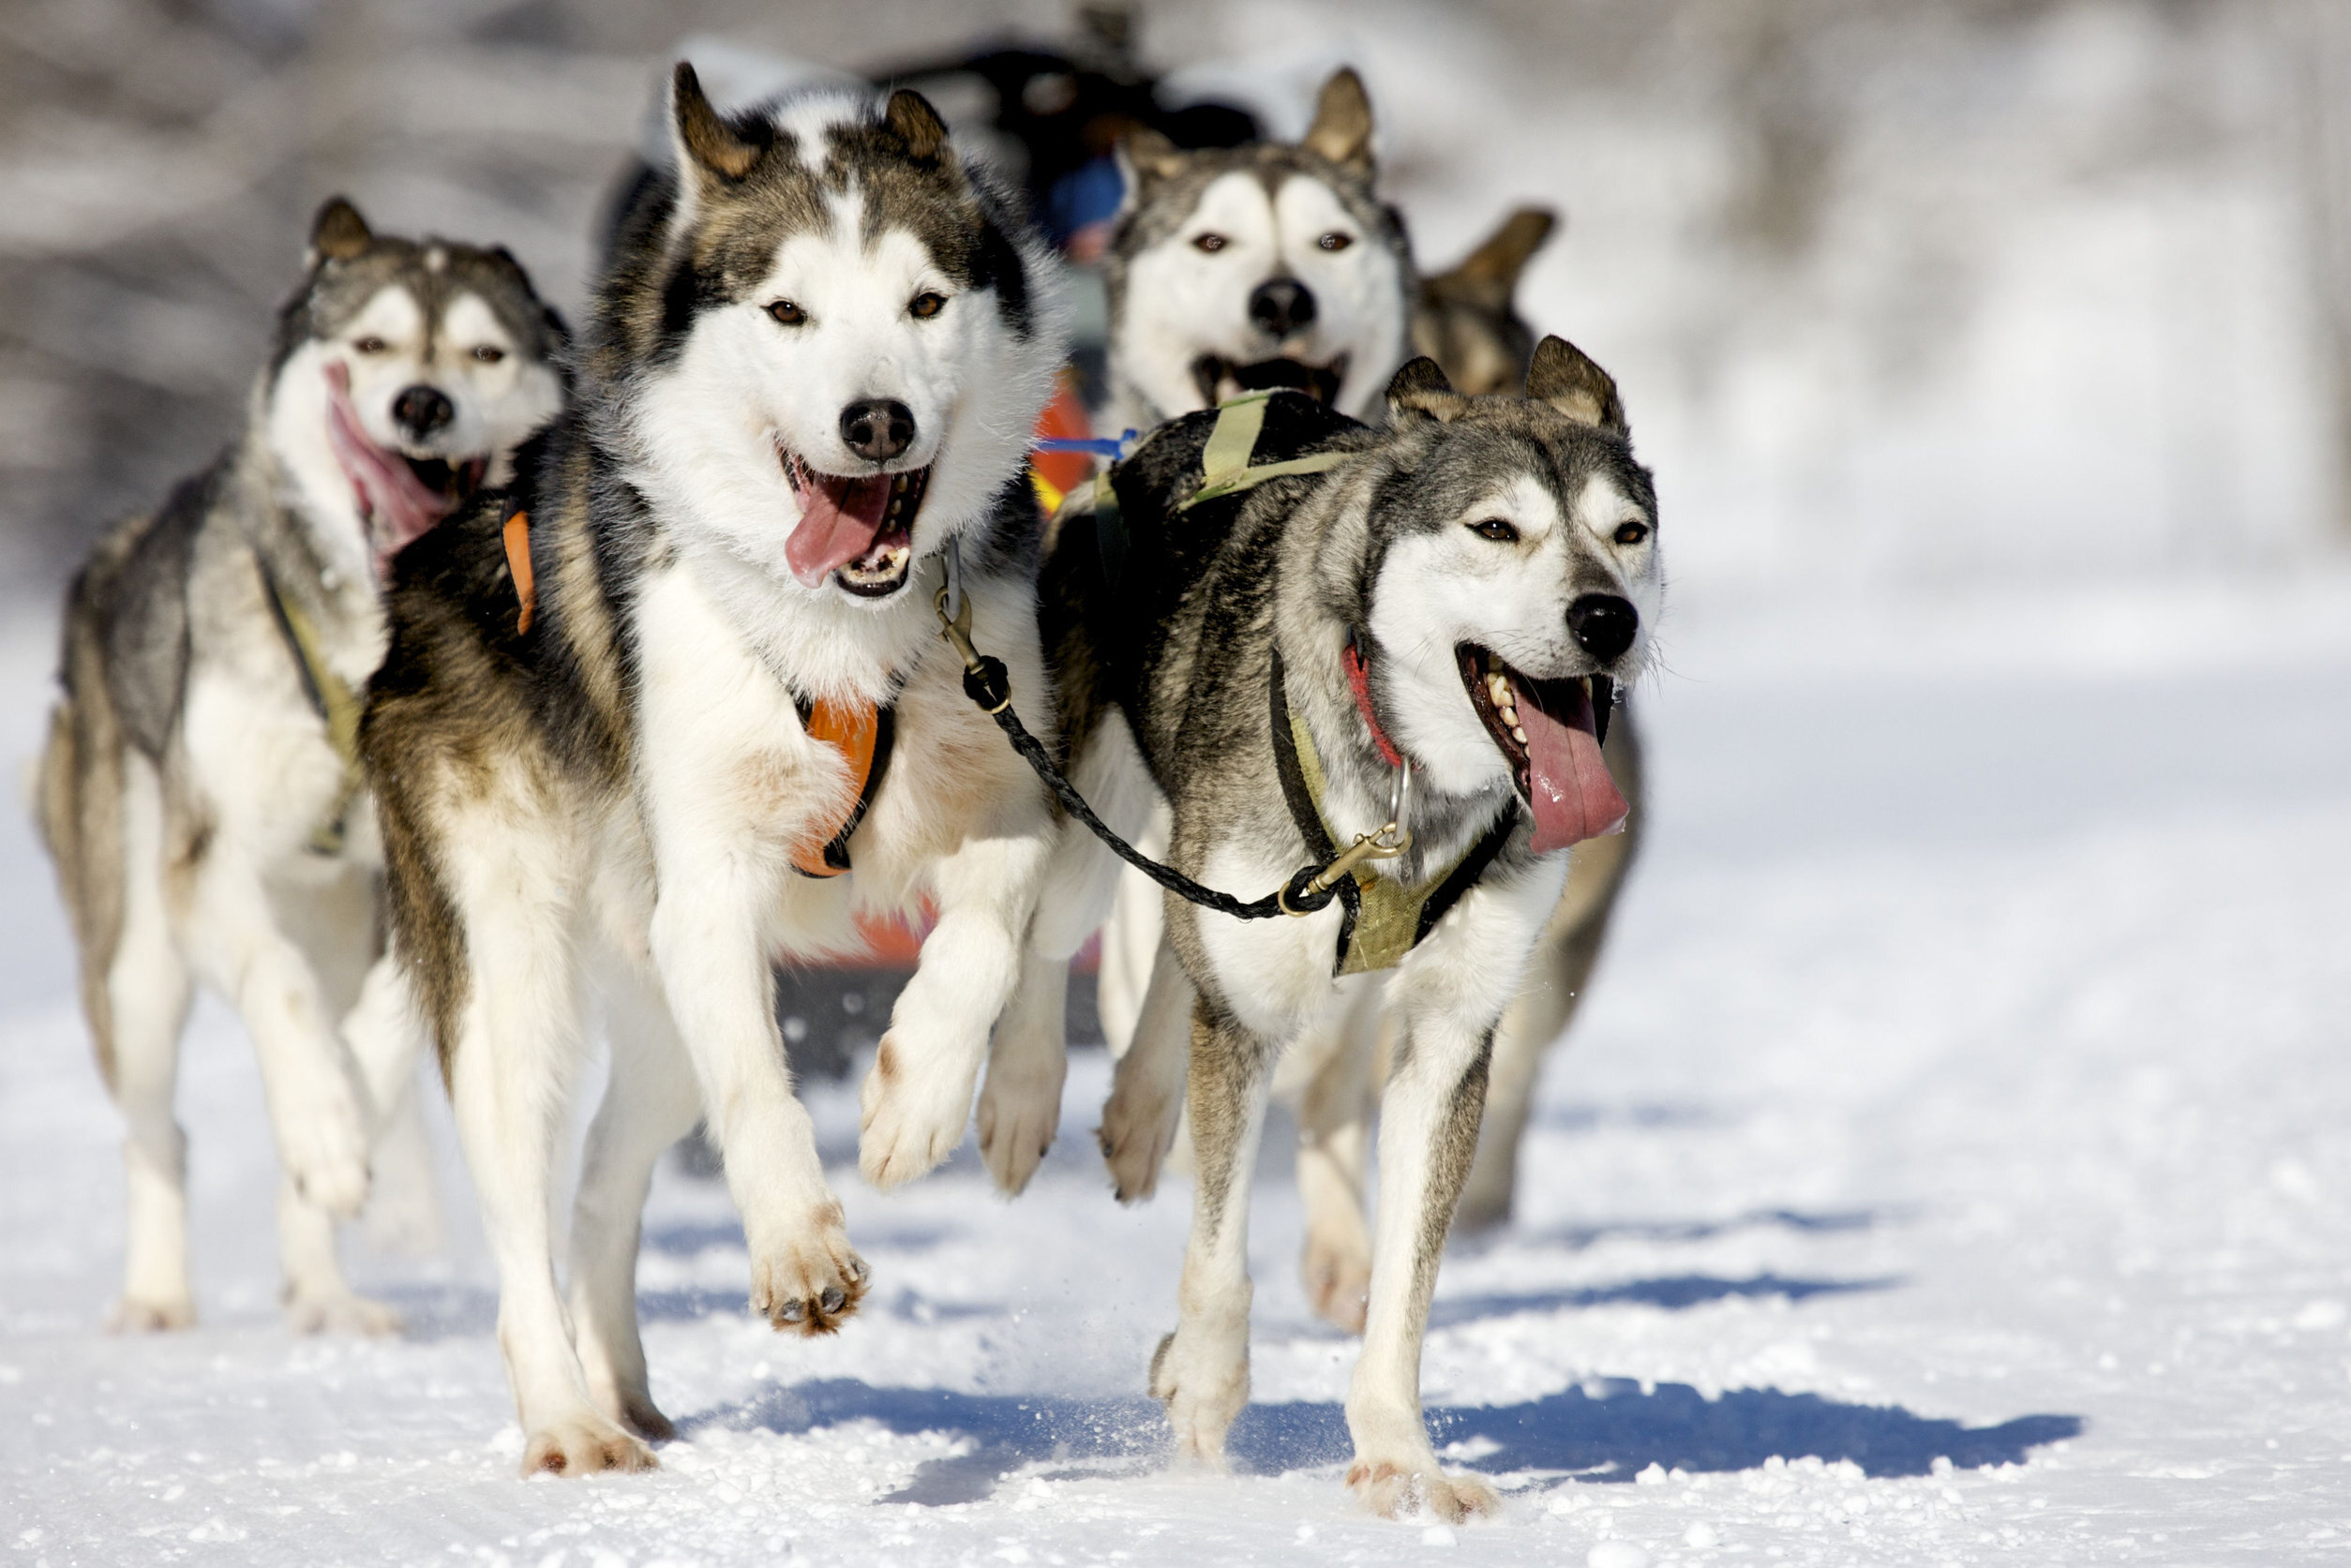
<point>1826,1222</point>
<point>1674,1294</point>
<point>1611,1430</point>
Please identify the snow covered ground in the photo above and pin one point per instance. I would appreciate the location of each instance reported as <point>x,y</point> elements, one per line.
<point>1949,1168</point>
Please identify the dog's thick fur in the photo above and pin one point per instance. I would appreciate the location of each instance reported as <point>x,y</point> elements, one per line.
<point>191,794</point>
<point>1483,524</point>
<point>619,790</point>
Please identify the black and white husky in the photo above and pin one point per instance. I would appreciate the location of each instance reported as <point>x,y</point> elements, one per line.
<point>1406,646</point>
<point>199,792</point>
<point>637,713</point>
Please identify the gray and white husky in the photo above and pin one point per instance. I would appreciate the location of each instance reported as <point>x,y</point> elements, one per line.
<point>637,713</point>
<point>1278,265</point>
<point>1415,645</point>
<point>199,792</point>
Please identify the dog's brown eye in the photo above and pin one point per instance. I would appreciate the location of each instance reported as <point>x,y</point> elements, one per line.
<point>1495,530</point>
<point>927,304</point>
<point>1209,243</point>
<point>1336,241</point>
<point>788,314</point>
<point>1631,533</point>
<point>369,346</point>
<point>489,353</point>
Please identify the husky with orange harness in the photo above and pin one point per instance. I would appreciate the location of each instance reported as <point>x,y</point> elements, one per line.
<point>678,704</point>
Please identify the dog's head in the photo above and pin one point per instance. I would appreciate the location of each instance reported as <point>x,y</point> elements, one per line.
<point>405,373</point>
<point>1233,270</point>
<point>1513,583</point>
<point>1467,319</point>
<point>832,335</point>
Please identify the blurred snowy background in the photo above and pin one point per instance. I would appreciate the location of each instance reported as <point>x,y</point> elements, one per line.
<point>1902,292</point>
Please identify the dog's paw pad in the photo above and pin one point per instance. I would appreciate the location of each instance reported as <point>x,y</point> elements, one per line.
<point>1400,1490</point>
<point>585,1445</point>
<point>811,1288</point>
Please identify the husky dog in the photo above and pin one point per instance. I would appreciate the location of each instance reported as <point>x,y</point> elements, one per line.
<point>1405,652</point>
<point>199,792</point>
<point>1467,319</point>
<point>1235,269</point>
<point>637,713</point>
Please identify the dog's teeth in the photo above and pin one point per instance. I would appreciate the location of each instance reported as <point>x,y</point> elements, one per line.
<point>1518,735</point>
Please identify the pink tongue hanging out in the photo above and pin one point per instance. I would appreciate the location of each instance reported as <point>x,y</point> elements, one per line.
<point>398,506</point>
<point>839,521</point>
<point>1574,798</point>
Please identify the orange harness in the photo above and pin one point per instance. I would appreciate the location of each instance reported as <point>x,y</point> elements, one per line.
<point>861,732</point>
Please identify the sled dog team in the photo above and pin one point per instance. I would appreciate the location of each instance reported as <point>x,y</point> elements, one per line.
<point>619,667</point>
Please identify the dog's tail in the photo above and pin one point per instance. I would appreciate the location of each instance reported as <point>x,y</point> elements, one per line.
<point>78,807</point>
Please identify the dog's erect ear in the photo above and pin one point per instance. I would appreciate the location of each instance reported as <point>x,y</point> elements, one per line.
<point>705,136</point>
<point>1489,275</point>
<point>917,124</point>
<point>1562,376</point>
<point>1145,158</point>
<point>1341,130</point>
<point>338,233</point>
<point>1420,388</point>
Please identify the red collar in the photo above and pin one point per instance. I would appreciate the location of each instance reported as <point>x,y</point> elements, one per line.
<point>1360,681</point>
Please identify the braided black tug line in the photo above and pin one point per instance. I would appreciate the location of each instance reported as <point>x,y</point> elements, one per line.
<point>989,685</point>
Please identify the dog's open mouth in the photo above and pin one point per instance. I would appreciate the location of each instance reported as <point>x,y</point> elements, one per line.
<point>398,496</point>
<point>1550,732</point>
<point>858,529</point>
<point>1220,379</point>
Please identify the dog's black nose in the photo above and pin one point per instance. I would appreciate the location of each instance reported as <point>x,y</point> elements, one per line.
<point>1603,624</point>
<point>422,409</point>
<point>878,428</point>
<point>1280,306</point>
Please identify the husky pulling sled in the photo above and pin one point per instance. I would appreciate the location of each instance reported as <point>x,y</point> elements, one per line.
<point>1382,655</point>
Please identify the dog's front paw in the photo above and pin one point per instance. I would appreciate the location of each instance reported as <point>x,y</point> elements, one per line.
<point>340,1312</point>
<point>1139,1124</point>
<point>146,1315</point>
<point>584,1444</point>
<point>1020,1111</point>
<point>1396,1489</point>
<point>1203,1392</point>
<point>1338,1273</point>
<point>913,1115</point>
<point>811,1284</point>
<point>322,1140</point>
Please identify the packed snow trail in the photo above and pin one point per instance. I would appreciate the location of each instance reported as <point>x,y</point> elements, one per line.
<point>1950,1167</point>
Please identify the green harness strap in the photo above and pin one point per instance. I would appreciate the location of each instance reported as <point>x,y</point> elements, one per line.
<point>1224,460</point>
<point>331,697</point>
<point>1388,923</point>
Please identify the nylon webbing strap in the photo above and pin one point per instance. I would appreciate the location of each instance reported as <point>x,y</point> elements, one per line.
<point>1224,464</point>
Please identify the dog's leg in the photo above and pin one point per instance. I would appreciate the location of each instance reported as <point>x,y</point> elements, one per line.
<point>1020,1107</point>
<point>147,991</point>
<point>1132,936</point>
<point>714,968</point>
<point>1201,1371</point>
<point>385,1033</point>
<point>917,1101</point>
<point>231,934</point>
<point>1334,1134</point>
<point>511,1065</point>
<point>1147,1092</point>
<point>1428,1134</point>
<point>650,1103</point>
<point>337,925</point>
